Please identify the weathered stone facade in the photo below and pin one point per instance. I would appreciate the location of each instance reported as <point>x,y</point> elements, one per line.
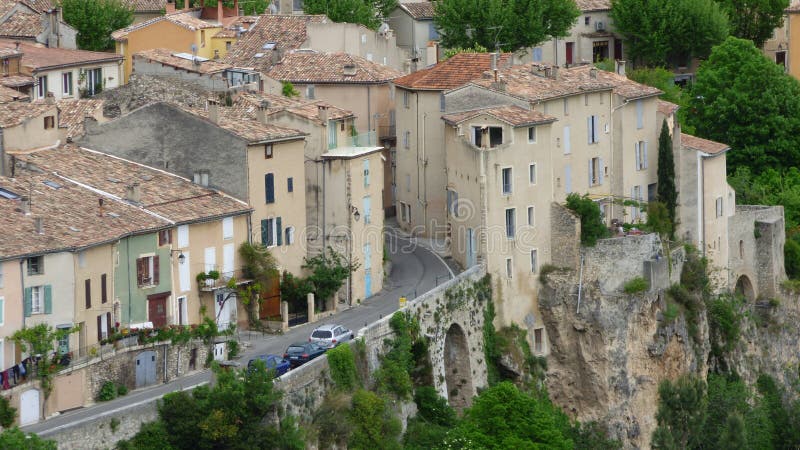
<point>755,256</point>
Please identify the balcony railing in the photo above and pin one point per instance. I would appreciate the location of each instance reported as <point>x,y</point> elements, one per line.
<point>387,131</point>
<point>209,285</point>
<point>360,140</point>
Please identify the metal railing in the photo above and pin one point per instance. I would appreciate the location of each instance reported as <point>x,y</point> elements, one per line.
<point>367,139</point>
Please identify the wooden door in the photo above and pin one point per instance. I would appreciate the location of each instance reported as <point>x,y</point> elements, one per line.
<point>570,51</point>
<point>157,309</point>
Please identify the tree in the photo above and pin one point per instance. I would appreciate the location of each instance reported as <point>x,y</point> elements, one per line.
<point>40,340</point>
<point>17,439</point>
<point>507,24</point>
<point>681,413</point>
<point>592,227</point>
<point>365,12</point>
<point>667,193</point>
<point>733,436</point>
<point>745,100</point>
<point>670,32</point>
<point>95,20</point>
<point>248,7</point>
<point>328,273</point>
<point>260,267</point>
<point>662,79</point>
<point>374,426</point>
<point>754,19</point>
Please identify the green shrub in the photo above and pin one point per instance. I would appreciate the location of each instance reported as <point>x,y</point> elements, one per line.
<point>233,349</point>
<point>671,312</point>
<point>107,392</point>
<point>331,422</point>
<point>433,408</point>
<point>7,413</point>
<point>373,424</point>
<point>546,270</point>
<point>592,226</point>
<point>343,367</point>
<point>394,375</point>
<point>122,390</point>
<point>636,285</point>
<point>724,322</point>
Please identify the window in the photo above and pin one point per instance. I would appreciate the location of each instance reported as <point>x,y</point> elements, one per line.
<point>271,233</point>
<point>510,222</point>
<point>227,228</point>
<point>531,135</point>
<point>531,216</point>
<point>720,210</point>
<point>537,54</point>
<point>87,289</point>
<point>147,271</point>
<point>408,183</point>
<point>363,38</point>
<point>741,249</point>
<point>66,83</point>
<point>41,86</point>
<point>366,173</point>
<point>290,184</point>
<point>538,340</point>
<point>38,300</point>
<point>403,215</point>
<point>495,135</point>
<point>585,99</point>
<point>534,261</point>
<point>452,203</point>
<point>267,151</point>
<point>269,188</point>
<point>289,238</point>
<point>636,195</point>
<point>639,114</point>
<point>202,38</point>
<point>407,139</point>
<point>2,313</point>
<point>36,265</point>
<point>507,180</point>
<point>183,236</point>
<point>103,289</point>
<point>94,81</point>
<point>640,153</point>
<point>532,173</point>
<point>406,100</point>
<point>82,259</point>
<point>1,275</point>
<point>567,142</point>
<point>652,192</point>
<point>201,178</point>
<point>568,179</point>
<point>49,122</point>
<point>566,107</point>
<point>310,94</point>
<point>441,102</point>
<point>596,171</point>
<point>586,20</point>
<point>164,237</point>
<point>593,125</point>
<point>509,268</point>
<point>367,209</point>
<point>103,324</point>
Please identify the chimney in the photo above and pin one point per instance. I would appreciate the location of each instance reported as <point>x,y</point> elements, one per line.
<point>132,193</point>
<point>25,205</point>
<point>216,54</point>
<point>494,61</point>
<point>620,67</point>
<point>169,7</point>
<point>38,224</point>
<point>100,206</point>
<point>554,72</point>
<point>484,137</point>
<point>593,73</point>
<point>261,113</point>
<point>16,45</point>
<point>349,70</point>
<point>213,110</point>
<point>219,11</point>
<point>548,72</point>
<point>276,55</point>
<point>322,111</point>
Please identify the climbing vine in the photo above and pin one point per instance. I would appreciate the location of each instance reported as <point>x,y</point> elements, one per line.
<point>40,341</point>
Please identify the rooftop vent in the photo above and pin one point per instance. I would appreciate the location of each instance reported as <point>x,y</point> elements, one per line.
<point>349,69</point>
<point>269,45</point>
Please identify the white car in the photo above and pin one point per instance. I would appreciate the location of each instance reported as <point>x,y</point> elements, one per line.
<point>330,336</point>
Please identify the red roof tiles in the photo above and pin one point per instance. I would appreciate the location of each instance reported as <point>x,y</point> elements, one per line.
<point>308,66</point>
<point>458,70</point>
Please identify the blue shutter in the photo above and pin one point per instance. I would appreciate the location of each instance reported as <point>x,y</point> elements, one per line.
<point>48,299</point>
<point>278,232</point>
<point>290,184</point>
<point>589,129</point>
<point>591,178</point>
<point>639,114</point>
<point>264,231</point>
<point>269,187</point>
<point>28,302</point>
<point>270,225</point>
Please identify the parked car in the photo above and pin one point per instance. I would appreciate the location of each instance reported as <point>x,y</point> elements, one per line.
<point>331,335</point>
<point>303,352</point>
<point>272,362</point>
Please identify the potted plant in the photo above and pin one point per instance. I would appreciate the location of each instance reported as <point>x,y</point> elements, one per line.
<point>213,276</point>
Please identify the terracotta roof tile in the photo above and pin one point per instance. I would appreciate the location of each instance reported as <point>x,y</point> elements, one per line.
<point>13,81</point>
<point>308,66</point>
<point>22,24</point>
<point>11,95</point>
<point>245,127</point>
<point>458,70</point>
<point>167,57</point>
<point>593,5</point>
<point>521,81</point>
<point>42,58</point>
<point>513,115</point>
<point>419,10</point>
<point>666,108</point>
<point>142,6</point>
<point>702,145</point>
<point>623,86</point>
<point>288,32</point>
<point>15,113</point>
<point>169,196</point>
<point>72,114</point>
<point>39,5</point>
<point>248,103</point>
<point>186,19</point>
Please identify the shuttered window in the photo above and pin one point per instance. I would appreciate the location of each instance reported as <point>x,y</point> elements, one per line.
<point>269,187</point>
<point>103,289</point>
<point>88,291</point>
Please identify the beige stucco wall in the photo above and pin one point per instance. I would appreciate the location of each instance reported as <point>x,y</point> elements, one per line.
<point>778,42</point>
<point>31,133</point>
<point>59,273</point>
<point>355,39</point>
<point>112,77</point>
<point>91,264</point>
<point>715,185</point>
<point>287,161</point>
<point>793,21</point>
<point>413,34</point>
<point>583,36</point>
<point>11,294</point>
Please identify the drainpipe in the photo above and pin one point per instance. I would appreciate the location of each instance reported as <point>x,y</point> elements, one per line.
<point>324,231</point>
<point>701,207</point>
<point>424,177</point>
<point>22,285</point>
<point>128,270</point>
<point>483,197</point>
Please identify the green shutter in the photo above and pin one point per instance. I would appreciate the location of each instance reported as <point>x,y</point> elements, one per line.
<point>278,231</point>
<point>28,305</point>
<point>264,231</point>
<point>48,299</point>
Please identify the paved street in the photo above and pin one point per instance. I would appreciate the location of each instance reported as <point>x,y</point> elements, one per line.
<point>415,270</point>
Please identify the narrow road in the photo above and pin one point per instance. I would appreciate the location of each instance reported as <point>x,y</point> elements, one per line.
<point>415,270</point>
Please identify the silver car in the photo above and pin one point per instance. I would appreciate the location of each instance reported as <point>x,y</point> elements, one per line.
<point>330,336</point>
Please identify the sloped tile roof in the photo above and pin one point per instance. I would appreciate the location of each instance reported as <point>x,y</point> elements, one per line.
<point>288,32</point>
<point>459,69</point>
<point>39,5</point>
<point>623,86</point>
<point>167,195</point>
<point>167,57</point>
<point>142,6</point>
<point>16,81</point>
<point>702,145</point>
<point>308,66</point>
<point>22,25</point>
<point>72,114</point>
<point>793,7</point>
<point>11,95</point>
<point>245,127</point>
<point>419,10</point>
<point>43,58</point>
<point>247,104</point>
<point>666,108</point>
<point>522,82</point>
<point>6,5</point>
<point>186,19</point>
<point>15,113</point>
<point>593,5</point>
<point>513,115</point>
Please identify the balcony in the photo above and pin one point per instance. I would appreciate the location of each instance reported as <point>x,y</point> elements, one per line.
<point>360,140</point>
<point>209,284</point>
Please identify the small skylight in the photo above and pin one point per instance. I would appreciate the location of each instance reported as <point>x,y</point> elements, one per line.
<point>269,45</point>
<point>114,215</point>
<point>259,55</point>
<point>113,180</point>
<point>189,57</point>
<point>146,177</point>
<point>52,184</point>
<point>5,193</point>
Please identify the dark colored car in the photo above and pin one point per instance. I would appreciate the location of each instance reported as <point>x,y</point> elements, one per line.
<point>302,352</point>
<point>272,362</point>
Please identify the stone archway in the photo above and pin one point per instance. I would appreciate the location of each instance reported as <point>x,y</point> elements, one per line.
<point>745,287</point>
<point>458,373</point>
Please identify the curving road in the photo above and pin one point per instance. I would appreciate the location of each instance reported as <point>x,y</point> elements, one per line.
<point>415,270</point>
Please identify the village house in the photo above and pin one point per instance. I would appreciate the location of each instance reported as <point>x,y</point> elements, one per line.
<point>412,23</point>
<point>36,22</point>
<point>64,73</point>
<point>11,75</point>
<point>211,75</point>
<point>147,9</point>
<point>72,113</point>
<point>25,126</point>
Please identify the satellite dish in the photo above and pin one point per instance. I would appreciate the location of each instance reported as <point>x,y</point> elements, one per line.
<point>384,28</point>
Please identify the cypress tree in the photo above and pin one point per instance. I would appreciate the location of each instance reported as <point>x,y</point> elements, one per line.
<point>666,174</point>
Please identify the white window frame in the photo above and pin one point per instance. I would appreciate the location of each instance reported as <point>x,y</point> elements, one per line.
<point>41,86</point>
<point>442,102</point>
<point>37,300</point>
<point>531,132</point>
<point>511,228</point>
<point>311,92</point>
<point>532,175</point>
<point>406,139</point>
<point>507,188</point>
<point>406,99</point>
<point>720,207</point>
<point>288,236</point>
<point>183,236</point>
<point>534,260</point>
<point>66,83</point>
<point>2,312</point>
<point>509,268</point>
<point>531,216</point>
<point>274,232</point>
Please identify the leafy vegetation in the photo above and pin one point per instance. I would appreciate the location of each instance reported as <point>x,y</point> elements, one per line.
<point>111,390</point>
<point>681,413</point>
<point>636,285</point>
<point>343,367</point>
<point>41,340</point>
<point>248,7</point>
<point>394,375</point>
<point>369,13</point>
<point>592,226</point>
<point>260,266</point>
<point>667,193</point>
<point>15,438</point>
<point>755,20</point>
<point>95,20</point>
<point>7,413</point>
<point>505,24</point>
<point>450,52</point>
<point>374,426</point>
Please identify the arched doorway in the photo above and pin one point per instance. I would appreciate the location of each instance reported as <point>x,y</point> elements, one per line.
<point>745,287</point>
<point>458,374</point>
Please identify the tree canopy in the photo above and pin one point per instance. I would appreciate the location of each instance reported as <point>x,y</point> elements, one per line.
<point>754,19</point>
<point>669,32</point>
<point>507,24</point>
<point>745,100</point>
<point>366,12</point>
<point>95,20</point>
<point>667,192</point>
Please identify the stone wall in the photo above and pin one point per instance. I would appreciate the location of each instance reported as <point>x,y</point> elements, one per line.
<point>565,241</point>
<point>756,235</point>
<point>104,431</point>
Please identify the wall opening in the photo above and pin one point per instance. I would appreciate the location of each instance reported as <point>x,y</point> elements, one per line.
<point>458,373</point>
<point>745,287</point>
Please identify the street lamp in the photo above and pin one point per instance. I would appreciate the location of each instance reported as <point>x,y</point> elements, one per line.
<point>356,214</point>
<point>181,256</point>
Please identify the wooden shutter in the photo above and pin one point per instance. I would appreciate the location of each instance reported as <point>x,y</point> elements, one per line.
<point>140,262</point>
<point>28,306</point>
<point>48,299</point>
<point>108,323</point>
<point>103,289</point>
<point>636,155</point>
<point>644,163</point>
<point>88,291</point>
<point>154,275</point>
<point>99,327</point>
<point>270,225</point>
<point>278,233</point>
<point>269,187</point>
<point>264,231</point>
<point>161,240</point>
